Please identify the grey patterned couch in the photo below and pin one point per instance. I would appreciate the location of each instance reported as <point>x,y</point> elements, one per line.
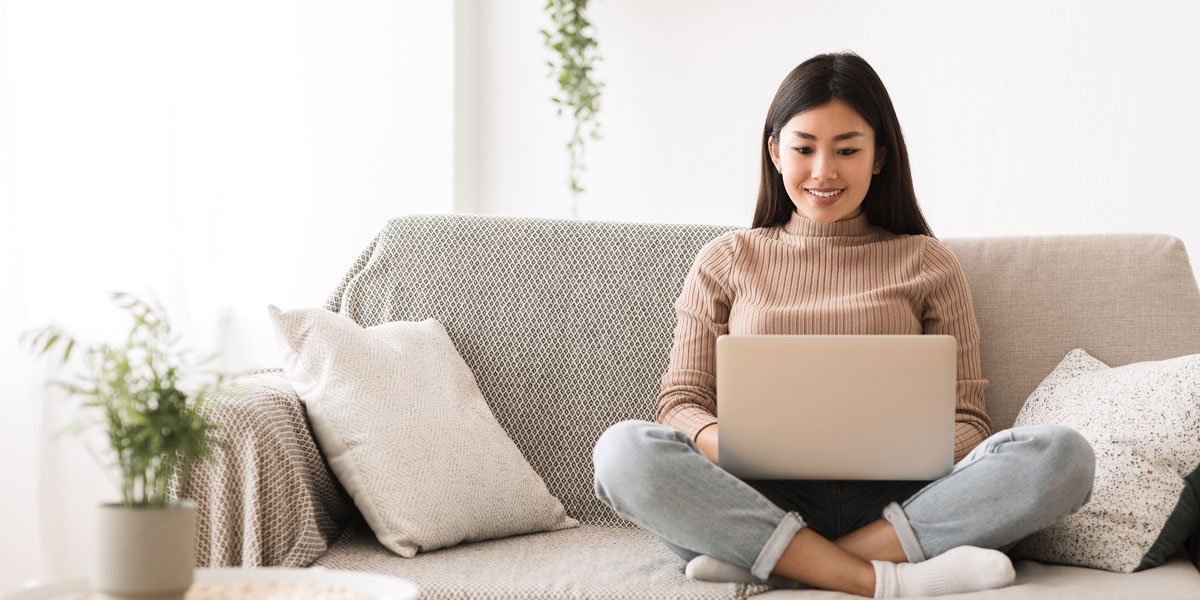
<point>567,327</point>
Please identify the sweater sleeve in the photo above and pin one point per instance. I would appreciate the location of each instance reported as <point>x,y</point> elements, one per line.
<point>688,397</point>
<point>949,311</point>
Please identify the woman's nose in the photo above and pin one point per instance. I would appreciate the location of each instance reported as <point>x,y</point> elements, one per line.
<point>822,167</point>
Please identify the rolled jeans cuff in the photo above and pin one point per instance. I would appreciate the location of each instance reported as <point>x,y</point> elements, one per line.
<point>776,544</point>
<point>908,540</point>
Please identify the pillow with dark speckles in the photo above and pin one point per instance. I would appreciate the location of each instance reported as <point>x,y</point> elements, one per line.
<point>1143,421</point>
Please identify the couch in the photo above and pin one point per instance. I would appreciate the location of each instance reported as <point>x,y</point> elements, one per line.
<point>567,327</point>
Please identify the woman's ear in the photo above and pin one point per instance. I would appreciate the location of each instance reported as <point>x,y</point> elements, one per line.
<point>773,150</point>
<point>880,157</point>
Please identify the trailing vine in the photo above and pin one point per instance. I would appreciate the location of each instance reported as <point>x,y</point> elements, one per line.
<point>576,53</point>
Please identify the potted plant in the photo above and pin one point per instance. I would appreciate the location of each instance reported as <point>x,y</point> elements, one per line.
<point>156,432</point>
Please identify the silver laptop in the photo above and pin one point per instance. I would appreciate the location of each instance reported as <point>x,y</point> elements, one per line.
<point>836,406</point>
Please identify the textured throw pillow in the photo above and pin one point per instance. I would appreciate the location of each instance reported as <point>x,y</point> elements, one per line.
<point>398,415</point>
<point>1143,421</point>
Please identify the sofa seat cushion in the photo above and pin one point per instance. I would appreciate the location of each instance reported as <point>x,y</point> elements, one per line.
<point>590,561</point>
<point>595,561</point>
<point>1176,579</point>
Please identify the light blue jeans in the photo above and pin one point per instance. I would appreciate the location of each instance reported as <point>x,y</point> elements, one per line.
<point>1016,482</point>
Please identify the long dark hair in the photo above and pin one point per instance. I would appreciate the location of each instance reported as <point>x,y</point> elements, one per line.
<point>890,202</point>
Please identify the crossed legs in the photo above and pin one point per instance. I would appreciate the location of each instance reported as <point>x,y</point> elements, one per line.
<point>1016,482</point>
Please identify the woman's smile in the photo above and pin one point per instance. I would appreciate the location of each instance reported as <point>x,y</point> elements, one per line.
<point>824,196</point>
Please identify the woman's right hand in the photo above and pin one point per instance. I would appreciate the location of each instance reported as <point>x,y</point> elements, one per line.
<point>707,441</point>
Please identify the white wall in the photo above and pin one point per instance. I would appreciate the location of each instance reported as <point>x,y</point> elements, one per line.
<point>1020,117</point>
<point>226,154</point>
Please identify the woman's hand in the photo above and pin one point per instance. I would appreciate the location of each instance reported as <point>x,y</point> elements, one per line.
<point>707,441</point>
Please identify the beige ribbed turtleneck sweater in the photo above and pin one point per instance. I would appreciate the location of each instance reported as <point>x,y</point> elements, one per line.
<point>810,277</point>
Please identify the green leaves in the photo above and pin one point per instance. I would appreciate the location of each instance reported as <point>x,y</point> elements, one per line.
<point>577,53</point>
<point>46,338</point>
<point>156,431</point>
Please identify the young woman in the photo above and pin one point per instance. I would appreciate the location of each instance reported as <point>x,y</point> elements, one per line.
<point>838,246</point>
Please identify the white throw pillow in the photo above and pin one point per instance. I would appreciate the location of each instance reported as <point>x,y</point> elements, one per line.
<point>1143,421</point>
<point>399,416</point>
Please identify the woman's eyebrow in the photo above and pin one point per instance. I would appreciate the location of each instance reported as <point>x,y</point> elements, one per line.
<point>836,138</point>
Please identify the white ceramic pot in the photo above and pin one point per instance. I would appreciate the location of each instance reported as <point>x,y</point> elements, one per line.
<point>144,553</point>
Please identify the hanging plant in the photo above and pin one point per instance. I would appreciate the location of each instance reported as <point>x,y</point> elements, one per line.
<point>577,52</point>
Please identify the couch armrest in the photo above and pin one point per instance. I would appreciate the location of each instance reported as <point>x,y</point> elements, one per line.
<point>269,499</point>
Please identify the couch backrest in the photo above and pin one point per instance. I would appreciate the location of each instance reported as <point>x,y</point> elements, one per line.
<point>567,325</point>
<point>1121,297</point>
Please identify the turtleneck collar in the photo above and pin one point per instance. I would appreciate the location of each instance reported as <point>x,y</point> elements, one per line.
<point>801,225</point>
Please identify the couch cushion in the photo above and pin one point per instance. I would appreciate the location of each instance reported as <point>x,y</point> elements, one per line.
<point>567,325</point>
<point>1142,419</point>
<point>398,415</point>
<point>616,562</point>
<point>583,562</point>
<point>1177,579</point>
<point>1125,297</point>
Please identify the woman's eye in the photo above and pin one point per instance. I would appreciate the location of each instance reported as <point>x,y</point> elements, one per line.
<point>843,151</point>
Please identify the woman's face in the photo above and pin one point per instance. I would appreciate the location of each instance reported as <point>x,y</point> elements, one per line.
<point>830,148</point>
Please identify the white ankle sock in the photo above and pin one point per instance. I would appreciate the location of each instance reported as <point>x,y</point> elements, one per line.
<point>961,569</point>
<point>707,568</point>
